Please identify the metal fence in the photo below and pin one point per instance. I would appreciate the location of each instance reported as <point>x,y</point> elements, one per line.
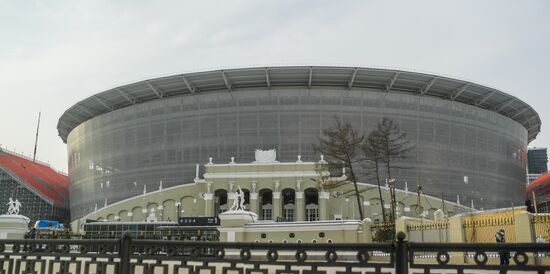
<point>483,230</point>
<point>127,255</point>
<point>434,232</point>
<point>383,232</point>
<point>541,224</point>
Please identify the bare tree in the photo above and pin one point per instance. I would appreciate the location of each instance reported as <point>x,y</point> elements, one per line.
<point>394,146</point>
<point>372,153</point>
<point>340,144</point>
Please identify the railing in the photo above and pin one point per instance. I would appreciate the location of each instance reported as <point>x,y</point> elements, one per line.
<point>383,232</point>
<point>541,224</point>
<point>484,256</point>
<point>434,232</point>
<point>484,229</point>
<point>127,255</point>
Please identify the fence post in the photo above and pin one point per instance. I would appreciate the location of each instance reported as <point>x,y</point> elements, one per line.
<point>124,252</point>
<point>457,235</point>
<point>401,262</point>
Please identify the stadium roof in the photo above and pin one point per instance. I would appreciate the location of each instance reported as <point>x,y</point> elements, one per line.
<point>542,184</point>
<point>301,76</point>
<point>37,177</point>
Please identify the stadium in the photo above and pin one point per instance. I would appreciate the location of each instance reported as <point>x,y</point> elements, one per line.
<point>470,141</point>
<point>41,191</point>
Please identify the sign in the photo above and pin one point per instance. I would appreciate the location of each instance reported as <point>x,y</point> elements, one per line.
<point>199,221</point>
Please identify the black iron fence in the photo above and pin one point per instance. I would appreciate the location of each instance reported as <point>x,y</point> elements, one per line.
<point>127,255</point>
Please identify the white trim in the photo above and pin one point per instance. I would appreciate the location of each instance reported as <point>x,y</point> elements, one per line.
<point>263,164</point>
<point>233,229</point>
<point>250,228</point>
<point>271,174</point>
<point>135,197</point>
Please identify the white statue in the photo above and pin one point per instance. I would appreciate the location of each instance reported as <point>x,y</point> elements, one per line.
<point>151,217</point>
<point>14,206</point>
<point>238,200</point>
<point>241,199</point>
<point>253,187</point>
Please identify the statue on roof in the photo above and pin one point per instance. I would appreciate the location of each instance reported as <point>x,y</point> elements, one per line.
<point>14,206</point>
<point>238,200</point>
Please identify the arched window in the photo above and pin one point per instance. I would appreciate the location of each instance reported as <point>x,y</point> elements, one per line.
<point>311,196</point>
<point>266,204</point>
<point>289,204</point>
<point>220,201</point>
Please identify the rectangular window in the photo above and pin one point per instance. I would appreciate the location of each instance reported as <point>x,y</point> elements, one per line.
<point>312,214</point>
<point>288,214</point>
<point>266,214</point>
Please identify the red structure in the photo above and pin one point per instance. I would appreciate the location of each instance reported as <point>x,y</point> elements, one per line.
<point>541,188</point>
<point>36,185</point>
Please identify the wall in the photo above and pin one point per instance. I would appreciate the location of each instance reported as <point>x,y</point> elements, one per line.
<point>115,155</point>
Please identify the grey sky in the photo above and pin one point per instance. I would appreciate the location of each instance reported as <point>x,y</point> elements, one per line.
<point>56,53</point>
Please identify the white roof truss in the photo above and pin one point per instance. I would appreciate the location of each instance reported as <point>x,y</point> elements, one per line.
<point>427,87</point>
<point>267,77</point>
<point>519,112</point>
<point>310,77</point>
<point>505,104</point>
<point>226,81</point>
<point>85,109</point>
<point>188,85</point>
<point>459,91</point>
<point>103,103</point>
<point>128,97</point>
<point>157,91</point>
<point>485,98</point>
<point>350,82</point>
<point>393,79</point>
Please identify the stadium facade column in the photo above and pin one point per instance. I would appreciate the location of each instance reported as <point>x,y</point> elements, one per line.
<point>323,199</point>
<point>300,207</point>
<point>209,204</point>
<point>254,202</point>
<point>276,205</point>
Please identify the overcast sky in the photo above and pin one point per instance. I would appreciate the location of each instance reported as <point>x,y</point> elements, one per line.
<point>56,53</point>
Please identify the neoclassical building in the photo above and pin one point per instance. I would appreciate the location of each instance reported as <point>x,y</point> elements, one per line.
<point>275,191</point>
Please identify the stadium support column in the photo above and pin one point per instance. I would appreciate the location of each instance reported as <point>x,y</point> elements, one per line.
<point>300,207</point>
<point>276,205</point>
<point>209,204</point>
<point>323,200</point>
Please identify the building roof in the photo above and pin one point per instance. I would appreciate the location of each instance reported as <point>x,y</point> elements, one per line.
<point>38,177</point>
<point>301,76</point>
